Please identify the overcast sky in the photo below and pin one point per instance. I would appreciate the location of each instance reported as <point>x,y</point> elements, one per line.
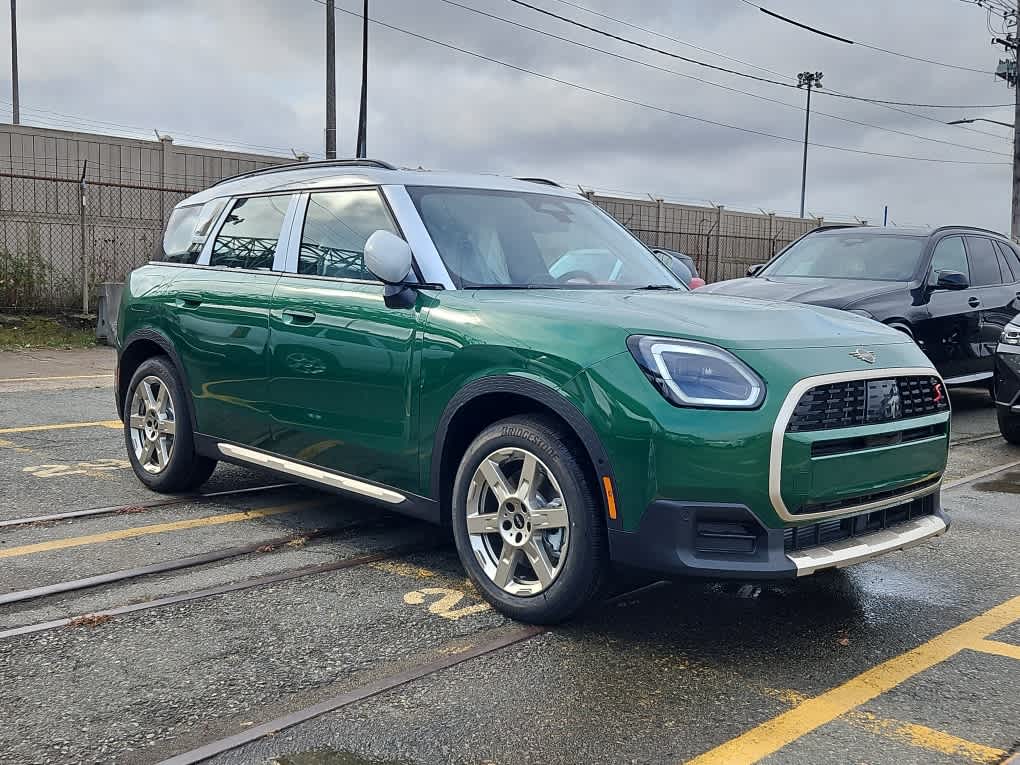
<point>252,73</point>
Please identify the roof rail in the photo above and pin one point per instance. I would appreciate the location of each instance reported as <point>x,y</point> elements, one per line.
<point>543,181</point>
<point>376,163</point>
<point>970,228</point>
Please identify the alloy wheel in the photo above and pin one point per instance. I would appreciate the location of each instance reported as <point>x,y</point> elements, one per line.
<point>517,521</point>
<point>153,424</point>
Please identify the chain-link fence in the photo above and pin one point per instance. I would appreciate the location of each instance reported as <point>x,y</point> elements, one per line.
<point>60,239</point>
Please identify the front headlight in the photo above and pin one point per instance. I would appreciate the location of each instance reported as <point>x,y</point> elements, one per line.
<point>1010,336</point>
<point>689,373</point>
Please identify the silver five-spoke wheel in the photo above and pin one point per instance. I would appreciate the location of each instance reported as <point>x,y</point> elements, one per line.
<point>517,521</point>
<point>152,424</point>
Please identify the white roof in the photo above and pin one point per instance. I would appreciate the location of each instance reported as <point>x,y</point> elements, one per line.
<point>305,177</point>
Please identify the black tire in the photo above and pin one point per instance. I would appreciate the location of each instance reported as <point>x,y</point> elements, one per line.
<point>583,572</point>
<point>184,470</point>
<point>1009,425</point>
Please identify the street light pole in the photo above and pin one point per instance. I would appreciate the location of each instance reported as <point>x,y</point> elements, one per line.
<point>809,80</point>
<point>1014,219</point>
<point>330,79</point>
<point>980,119</point>
<point>363,114</point>
<point>14,63</point>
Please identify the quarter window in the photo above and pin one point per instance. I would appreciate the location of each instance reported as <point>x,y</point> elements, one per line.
<point>178,246</point>
<point>337,225</point>
<point>984,265</point>
<point>251,232</point>
<point>1011,259</point>
<point>949,256</point>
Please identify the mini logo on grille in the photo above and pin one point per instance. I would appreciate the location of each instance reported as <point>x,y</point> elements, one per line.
<point>865,356</point>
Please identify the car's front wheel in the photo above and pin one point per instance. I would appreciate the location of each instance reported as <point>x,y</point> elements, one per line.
<point>527,521</point>
<point>1009,425</point>
<point>157,430</point>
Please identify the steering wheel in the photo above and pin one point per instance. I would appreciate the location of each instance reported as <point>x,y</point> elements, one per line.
<point>577,273</point>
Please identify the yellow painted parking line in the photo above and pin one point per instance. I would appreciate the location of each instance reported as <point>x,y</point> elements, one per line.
<point>774,734</point>
<point>155,528</point>
<point>112,424</point>
<point>59,377</point>
<point>923,737</point>
<point>997,647</point>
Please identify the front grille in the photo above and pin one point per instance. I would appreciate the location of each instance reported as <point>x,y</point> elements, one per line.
<point>863,499</point>
<point>829,448</point>
<point>853,403</point>
<point>826,532</point>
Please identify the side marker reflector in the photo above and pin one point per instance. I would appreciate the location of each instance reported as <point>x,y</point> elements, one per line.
<point>610,497</point>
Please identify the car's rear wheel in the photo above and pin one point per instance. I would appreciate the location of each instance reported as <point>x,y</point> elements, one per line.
<point>157,430</point>
<point>1009,425</point>
<point>527,521</point>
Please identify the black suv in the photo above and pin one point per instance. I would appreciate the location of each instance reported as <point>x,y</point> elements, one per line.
<point>953,289</point>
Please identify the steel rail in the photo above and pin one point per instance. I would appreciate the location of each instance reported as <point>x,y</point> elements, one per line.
<point>180,499</point>
<point>176,564</point>
<point>221,589</point>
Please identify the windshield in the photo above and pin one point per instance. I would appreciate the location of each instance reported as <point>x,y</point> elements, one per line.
<point>506,239</point>
<point>851,256</point>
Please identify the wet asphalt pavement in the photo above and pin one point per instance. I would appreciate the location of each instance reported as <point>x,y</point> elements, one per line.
<point>691,670</point>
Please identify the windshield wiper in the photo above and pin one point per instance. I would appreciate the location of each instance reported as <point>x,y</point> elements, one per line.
<point>659,287</point>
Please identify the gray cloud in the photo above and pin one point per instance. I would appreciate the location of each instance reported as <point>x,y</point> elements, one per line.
<point>251,72</point>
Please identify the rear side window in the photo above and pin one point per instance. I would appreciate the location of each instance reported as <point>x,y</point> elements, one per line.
<point>1011,260</point>
<point>984,264</point>
<point>250,233</point>
<point>337,225</point>
<point>178,244</point>
<point>949,256</point>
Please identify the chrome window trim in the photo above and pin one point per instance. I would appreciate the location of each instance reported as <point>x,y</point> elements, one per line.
<point>433,271</point>
<point>847,552</point>
<point>779,437</point>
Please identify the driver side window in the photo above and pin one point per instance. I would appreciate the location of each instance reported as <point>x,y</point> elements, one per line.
<point>949,256</point>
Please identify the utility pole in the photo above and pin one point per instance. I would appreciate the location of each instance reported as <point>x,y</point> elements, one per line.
<point>14,62</point>
<point>330,79</point>
<point>809,80</point>
<point>1007,70</point>
<point>363,114</point>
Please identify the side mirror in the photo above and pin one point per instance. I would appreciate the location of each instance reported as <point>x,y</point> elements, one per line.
<point>752,270</point>
<point>388,257</point>
<point>951,280</point>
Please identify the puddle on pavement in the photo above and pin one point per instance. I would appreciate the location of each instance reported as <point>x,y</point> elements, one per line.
<point>328,757</point>
<point>1007,484</point>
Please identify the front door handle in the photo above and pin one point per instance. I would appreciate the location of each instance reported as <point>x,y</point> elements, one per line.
<point>974,302</point>
<point>298,317</point>
<point>188,300</point>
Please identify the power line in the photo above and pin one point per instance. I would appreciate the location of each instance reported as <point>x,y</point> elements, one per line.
<point>660,109</point>
<point>863,44</point>
<point>671,54</point>
<point>716,84</point>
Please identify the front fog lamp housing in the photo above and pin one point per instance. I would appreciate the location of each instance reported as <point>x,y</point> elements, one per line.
<point>689,373</point>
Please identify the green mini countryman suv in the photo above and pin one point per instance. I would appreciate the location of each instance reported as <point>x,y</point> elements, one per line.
<point>500,356</point>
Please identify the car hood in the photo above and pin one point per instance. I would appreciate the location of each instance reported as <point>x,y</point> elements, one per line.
<point>833,293</point>
<point>596,320</point>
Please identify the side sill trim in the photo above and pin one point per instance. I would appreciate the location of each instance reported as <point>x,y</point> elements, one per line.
<point>307,472</point>
<point>850,551</point>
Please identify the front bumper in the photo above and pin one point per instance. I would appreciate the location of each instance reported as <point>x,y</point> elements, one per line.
<point>1007,378</point>
<point>729,541</point>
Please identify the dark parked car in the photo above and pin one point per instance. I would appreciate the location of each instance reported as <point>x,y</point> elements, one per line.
<point>1007,382</point>
<point>952,289</point>
<point>682,265</point>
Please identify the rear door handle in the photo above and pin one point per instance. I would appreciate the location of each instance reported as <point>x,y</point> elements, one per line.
<point>298,317</point>
<point>974,302</point>
<point>188,300</point>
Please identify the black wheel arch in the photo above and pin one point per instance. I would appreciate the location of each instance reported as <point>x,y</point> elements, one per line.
<point>489,399</point>
<point>144,344</point>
